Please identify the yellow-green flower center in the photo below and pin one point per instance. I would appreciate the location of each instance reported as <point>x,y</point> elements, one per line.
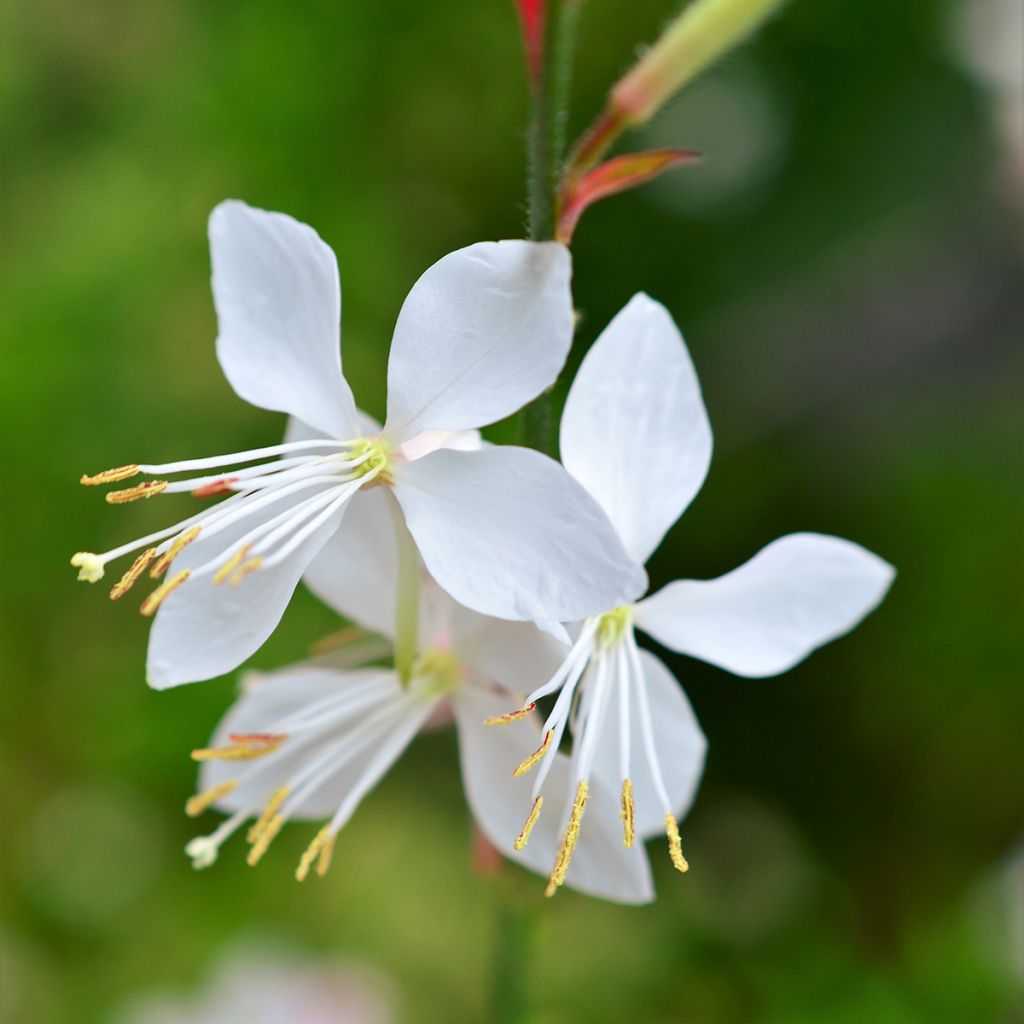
<point>613,625</point>
<point>376,455</point>
<point>436,673</point>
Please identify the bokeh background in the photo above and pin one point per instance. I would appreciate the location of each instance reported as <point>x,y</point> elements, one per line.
<point>846,268</point>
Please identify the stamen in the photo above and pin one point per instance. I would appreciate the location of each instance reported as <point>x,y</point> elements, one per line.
<point>524,836</point>
<point>221,486</point>
<point>161,593</point>
<point>110,476</point>
<point>324,860</point>
<point>312,853</point>
<point>242,748</point>
<point>148,489</point>
<point>569,840</point>
<point>137,568</point>
<point>203,851</point>
<point>266,838</point>
<point>243,570</point>
<point>524,766</point>
<point>628,813</point>
<point>675,847</point>
<point>195,805</point>
<point>89,566</point>
<point>230,565</point>
<point>269,812</point>
<point>182,542</point>
<point>512,716</point>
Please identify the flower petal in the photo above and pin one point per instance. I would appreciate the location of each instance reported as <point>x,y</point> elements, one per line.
<point>634,431</point>
<point>761,619</point>
<point>275,286</point>
<point>507,532</point>
<point>482,332</point>
<point>601,866</point>
<point>202,631</point>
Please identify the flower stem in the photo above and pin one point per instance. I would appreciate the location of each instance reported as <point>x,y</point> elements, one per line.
<point>516,928</point>
<point>407,603</point>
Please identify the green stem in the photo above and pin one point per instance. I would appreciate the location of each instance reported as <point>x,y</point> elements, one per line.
<point>407,603</point>
<point>515,933</point>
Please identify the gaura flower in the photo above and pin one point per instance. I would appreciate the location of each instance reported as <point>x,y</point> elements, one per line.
<point>636,435</point>
<point>505,530</point>
<point>309,742</point>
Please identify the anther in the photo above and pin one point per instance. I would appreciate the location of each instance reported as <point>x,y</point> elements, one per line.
<point>195,805</point>
<point>512,716</point>
<point>275,801</point>
<point>523,838</point>
<point>148,489</point>
<point>180,543</point>
<point>110,476</point>
<point>161,593</point>
<point>326,853</point>
<point>244,569</point>
<point>312,853</point>
<point>89,566</point>
<point>137,568</point>
<point>266,838</point>
<point>675,847</point>
<point>569,839</point>
<point>230,565</point>
<point>524,766</point>
<point>628,813</point>
<point>221,486</point>
<point>242,748</point>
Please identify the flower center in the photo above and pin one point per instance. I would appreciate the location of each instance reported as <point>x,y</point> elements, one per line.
<point>373,456</point>
<point>436,673</point>
<point>612,626</point>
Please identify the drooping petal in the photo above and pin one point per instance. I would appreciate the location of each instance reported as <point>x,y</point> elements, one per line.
<point>507,532</point>
<point>275,286</point>
<point>201,630</point>
<point>794,595</point>
<point>634,431</point>
<point>601,866</point>
<point>482,332</point>
<point>679,745</point>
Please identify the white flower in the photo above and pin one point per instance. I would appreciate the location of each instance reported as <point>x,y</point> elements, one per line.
<point>311,741</point>
<point>636,435</point>
<point>505,530</point>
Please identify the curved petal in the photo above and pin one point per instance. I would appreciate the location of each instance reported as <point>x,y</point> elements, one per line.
<point>679,745</point>
<point>507,532</point>
<point>482,332</point>
<point>794,595</point>
<point>202,631</point>
<point>634,431</point>
<point>275,286</point>
<point>601,866</point>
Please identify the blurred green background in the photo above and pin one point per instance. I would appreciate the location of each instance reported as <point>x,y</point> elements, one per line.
<point>845,265</point>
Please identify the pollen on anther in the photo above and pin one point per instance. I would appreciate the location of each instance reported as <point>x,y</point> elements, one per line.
<point>675,847</point>
<point>150,605</point>
<point>628,813</point>
<point>511,716</point>
<point>181,542</point>
<point>110,476</point>
<point>266,838</point>
<point>525,765</point>
<point>195,805</point>
<point>244,569</point>
<point>524,837</point>
<point>313,852</point>
<point>242,748</point>
<point>569,839</point>
<point>273,804</point>
<point>135,570</point>
<point>230,565</point>
<point>147,489</point>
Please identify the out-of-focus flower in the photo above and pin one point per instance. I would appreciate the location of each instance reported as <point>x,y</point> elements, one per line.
<point>309,742</point>
<point>636,435</point>
<point>505,530</point>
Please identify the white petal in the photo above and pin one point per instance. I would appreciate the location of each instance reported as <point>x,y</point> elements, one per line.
<point>356,570</point>
<point>760,619</point>
<point>202,631</point>
<point>601,865</point>
<point>482,332</point>
<point>275,286</point>
<point>634,431</point>
<point>427,441</point>
<point>507,532</point>
<point>678,742</point>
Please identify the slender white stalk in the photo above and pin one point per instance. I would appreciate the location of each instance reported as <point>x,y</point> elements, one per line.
<point>646,729</point>
<point>583,641</point>
<point>622,682</point>
<point>252,455</point>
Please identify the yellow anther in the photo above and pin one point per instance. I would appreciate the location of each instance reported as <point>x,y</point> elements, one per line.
<point>675,847</point>
<point>136,493</point>
<point>524,766</point>
<point>242,748</point>
<point>180,543</point>
<point>512,716</point>
<point>313,852</point>
<point>161,593</point>
<point>137,568</point>
<point>110,476</point>
<point>569,839</point>
<point>230,565</point>
<point>244,569</point>
<point>324,860</point>
<point>339,640</point>
<point>628,813</point>
<point>266,838</point>
<point>89,566</point>
<point>273,805</point>
<point>195,805</point>
<point>523,838</point>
